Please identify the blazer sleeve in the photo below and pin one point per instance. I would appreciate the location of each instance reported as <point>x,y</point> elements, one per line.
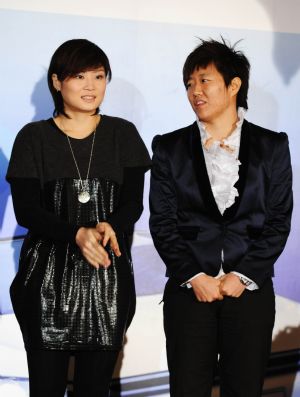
<point>257,263</point>
<point>163,218</point>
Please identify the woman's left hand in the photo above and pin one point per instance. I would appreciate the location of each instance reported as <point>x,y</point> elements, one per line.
<point>108,235</point>
<point>231,285</point>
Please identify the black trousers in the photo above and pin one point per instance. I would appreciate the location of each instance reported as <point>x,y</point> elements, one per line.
<point>235,333</point>
<point>48,372</point>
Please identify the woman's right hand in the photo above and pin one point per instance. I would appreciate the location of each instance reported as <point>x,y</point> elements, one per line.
<point>206,288</point>
<point>108,235</point>
<point>89,241</point>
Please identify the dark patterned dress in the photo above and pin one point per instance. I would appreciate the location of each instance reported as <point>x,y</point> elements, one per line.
<point>60,300</point>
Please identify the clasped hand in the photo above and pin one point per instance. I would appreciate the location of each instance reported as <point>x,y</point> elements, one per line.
<point>209,289</point>
<point>92,242</point>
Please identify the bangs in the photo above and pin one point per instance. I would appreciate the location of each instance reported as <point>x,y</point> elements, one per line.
<point>82,57</point>
<point>83,64</point>
<point>193,63</point>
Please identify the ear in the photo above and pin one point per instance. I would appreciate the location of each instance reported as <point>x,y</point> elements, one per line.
<point>235,85</point>
<point>56,82</point>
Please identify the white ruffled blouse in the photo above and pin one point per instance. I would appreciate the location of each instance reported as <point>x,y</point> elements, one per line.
<point>221,158</point>
<point>222,164</point>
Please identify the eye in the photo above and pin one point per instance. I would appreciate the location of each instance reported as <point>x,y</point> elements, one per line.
<point>188,84</point>
<point>79,76</point>
<point>100,76</point>
<point>204,80</point>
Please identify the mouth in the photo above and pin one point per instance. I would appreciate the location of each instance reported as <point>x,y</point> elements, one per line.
<point>88,98</point>
<point>199,103</point>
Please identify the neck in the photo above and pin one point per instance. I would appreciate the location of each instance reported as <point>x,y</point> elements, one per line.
<point>78,125</point>
<point>221,127</point>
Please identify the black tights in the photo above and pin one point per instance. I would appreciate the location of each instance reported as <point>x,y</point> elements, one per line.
<point>48,372</point>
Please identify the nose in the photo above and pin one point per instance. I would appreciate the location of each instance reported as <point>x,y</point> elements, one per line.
<point>89,83</point>
<point>197,90</point>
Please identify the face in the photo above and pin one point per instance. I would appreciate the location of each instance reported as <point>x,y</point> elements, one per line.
<point>208,95</point>
<point>83,92</point>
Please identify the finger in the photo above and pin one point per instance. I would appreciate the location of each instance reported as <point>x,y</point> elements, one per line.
<point>220,296</point>
<point>100,227</point>
<point>93,252</point>
<point>115,246</point>
<point>116,250</point>
<point>223,292</point>
<point>103,259</point>
<point>200,298</point>
<point>99,254</point>
<point>96,264</point>
<point>105,266</point>
<point>217,296</point>
<point>98,236</point>
<point>92,261</point>
<point>106,237</point>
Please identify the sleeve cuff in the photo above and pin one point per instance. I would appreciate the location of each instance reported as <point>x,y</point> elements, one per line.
<point>251,287</point>
<point>187,283</point>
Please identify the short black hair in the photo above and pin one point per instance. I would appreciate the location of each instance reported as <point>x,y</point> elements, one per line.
<point>228,61</point>
<point>70,58</point>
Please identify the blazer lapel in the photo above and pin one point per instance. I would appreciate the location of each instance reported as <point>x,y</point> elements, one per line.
<point>201,172</point>
<point>243,170</point>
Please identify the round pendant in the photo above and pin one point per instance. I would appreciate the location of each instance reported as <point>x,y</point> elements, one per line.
<point>84,197</point>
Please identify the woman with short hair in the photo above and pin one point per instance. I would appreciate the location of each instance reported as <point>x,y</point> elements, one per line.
<point>77,186</point>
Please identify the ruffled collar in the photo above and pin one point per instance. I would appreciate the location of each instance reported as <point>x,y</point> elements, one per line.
<point>231,143</point>
<point>221,157</point>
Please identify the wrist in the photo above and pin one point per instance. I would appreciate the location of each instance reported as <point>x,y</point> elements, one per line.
<point>201,279</point>
<point>78,234</point>
<point>244,281</point>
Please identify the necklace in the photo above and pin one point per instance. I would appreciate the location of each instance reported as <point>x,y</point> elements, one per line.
<point>84,195</point>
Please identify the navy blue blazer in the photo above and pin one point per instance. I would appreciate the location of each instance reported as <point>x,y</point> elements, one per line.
<point>187,228</point>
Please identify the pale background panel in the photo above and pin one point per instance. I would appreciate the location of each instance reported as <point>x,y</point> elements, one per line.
<point>272,15</point>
